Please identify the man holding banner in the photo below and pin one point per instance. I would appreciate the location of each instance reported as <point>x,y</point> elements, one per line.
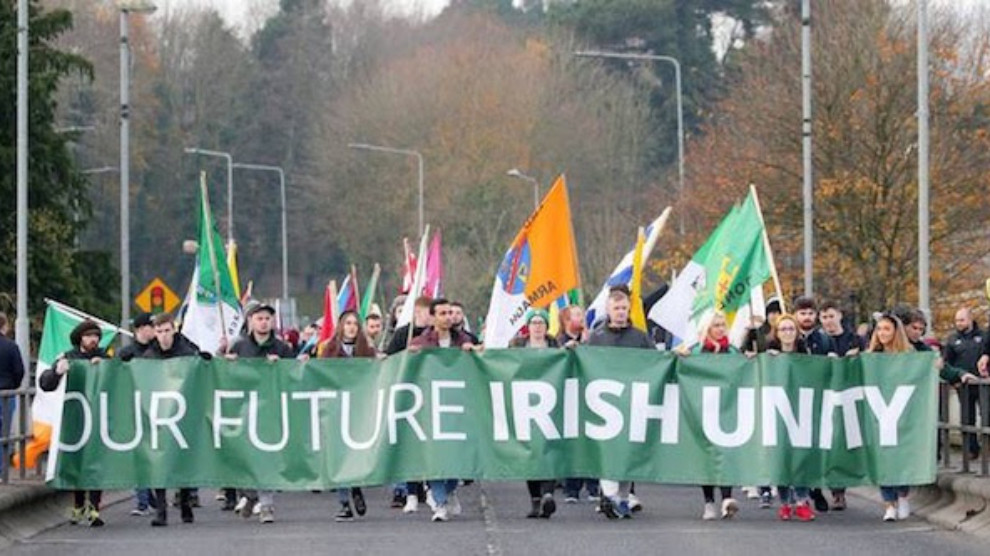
<point>618,332</point>
<point>85,338</point>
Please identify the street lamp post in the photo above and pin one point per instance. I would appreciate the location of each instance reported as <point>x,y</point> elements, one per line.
<point>22,329</point>
<point>516,173</point>
<point>924,301</point>
<point>285,234</point>
<point>230,185</point>
<point>406,152</point>
<point>680,102</point>
<point>126,8</point>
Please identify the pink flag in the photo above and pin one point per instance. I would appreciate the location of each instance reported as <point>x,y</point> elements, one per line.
<point>434,269</point>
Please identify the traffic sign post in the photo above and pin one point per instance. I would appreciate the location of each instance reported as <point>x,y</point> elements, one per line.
<point>157,297</point>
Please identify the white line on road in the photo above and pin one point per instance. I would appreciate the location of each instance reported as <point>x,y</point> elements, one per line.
<point>491,525</point>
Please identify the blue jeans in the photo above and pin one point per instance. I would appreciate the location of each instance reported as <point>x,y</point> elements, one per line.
<point>789,495</point>
<point>143,498</point>
<point>7,407</point>
<point>572,487</point>
<point>400,489</point>
<point>890,494</point>
<point>441,489</point>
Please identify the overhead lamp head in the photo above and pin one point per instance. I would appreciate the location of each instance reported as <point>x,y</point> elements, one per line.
<point>136,6</point>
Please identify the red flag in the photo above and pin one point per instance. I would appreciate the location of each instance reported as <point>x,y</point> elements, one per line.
<point>329,312</point>
<point>408,267</point>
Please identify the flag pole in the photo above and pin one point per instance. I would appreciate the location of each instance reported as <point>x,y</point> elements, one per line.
<point>357,292</point>
<point>86,316</point>
<point>214,267</point>
<point>417,286</point>
<point>766,246</point>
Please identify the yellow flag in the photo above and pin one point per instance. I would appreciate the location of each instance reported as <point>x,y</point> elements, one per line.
<point>232,265</point>
<point>636,314</point>
<point>554,324</point>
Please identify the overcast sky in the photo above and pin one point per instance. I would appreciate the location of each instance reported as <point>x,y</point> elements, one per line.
<point>249,12</point>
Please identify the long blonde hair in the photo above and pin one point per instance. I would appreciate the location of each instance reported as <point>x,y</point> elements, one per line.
<point>900,343</point>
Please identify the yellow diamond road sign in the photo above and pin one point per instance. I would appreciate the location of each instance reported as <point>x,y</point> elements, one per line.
<point>157,298</point>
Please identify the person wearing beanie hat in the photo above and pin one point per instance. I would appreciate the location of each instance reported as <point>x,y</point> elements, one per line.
<point>540,491</point>
<point>85,338</point>
<point>144,334</point>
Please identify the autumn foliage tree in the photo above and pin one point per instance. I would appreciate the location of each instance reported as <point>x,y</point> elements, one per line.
<point>865,153</point>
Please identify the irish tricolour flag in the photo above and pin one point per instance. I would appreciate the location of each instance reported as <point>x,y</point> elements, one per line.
<point>213,309</point>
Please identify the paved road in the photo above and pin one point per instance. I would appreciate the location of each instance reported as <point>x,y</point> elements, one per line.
<point>494,523</point>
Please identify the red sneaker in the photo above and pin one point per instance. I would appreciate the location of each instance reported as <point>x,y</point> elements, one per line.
<point>784,512</point>
<point>804,512</point>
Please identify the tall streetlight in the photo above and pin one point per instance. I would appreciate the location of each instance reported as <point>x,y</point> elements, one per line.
<point>126,8</point>
<point>515,173</point>
<point>285,234</point>
<point>230,185</point>
<point>680,102</point>
<point>22,329</point>
<point>406,152</point>
<point>924,301</point>
<point>807,189</point>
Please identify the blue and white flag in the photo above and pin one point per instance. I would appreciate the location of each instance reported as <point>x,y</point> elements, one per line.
<point>623,273</point>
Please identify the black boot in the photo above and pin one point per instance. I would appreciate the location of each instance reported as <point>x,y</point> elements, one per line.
<point>161,516</point>
<point>534,512</point>
<point>547,506</point>
<point>186,505</point>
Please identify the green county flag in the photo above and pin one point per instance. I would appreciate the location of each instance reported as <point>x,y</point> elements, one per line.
<point>46,408</point>
<point>213,311</point>
<point>726,274</point>
<point>501,415</point>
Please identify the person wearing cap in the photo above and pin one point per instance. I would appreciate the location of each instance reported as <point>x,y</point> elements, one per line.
<point>259,342</point>
<point>758,334</point>
<point>542,504</point>
<point>617,331</point>
<point>442,493</point>
<point>85,339</point>
<point>144,334</point>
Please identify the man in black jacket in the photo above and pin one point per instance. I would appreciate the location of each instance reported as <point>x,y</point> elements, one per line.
<point>816,342</point>
<point>144,334</point>
<point>421,321</point>
<point>168,344</point>
<point>963,349</point>
<point>11,375</point>
<point>617,496</point>
<point>85,338</point>
<point>844,341</point>
<point>259,342</point>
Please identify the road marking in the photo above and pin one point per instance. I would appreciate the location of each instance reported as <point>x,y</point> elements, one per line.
<point>491,524</point>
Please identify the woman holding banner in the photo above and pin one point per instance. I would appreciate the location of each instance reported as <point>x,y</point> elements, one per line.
<point>794,501</point>
<point>540,492</point>
<point>349,340</point>
<point>714,338</point>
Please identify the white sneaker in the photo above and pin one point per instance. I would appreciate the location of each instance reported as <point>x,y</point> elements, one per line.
<point>752,493</point>
<point>729,508</point>
<point>241,504</point>
<point>412,504</point>
<point>710,512</point>
<point>903,509</point>
<point>454,503</point>
<point>440,514</point>
<point>634,504</point>
<point>256,510</point>
<point>430,501</point>
<point>266,514</point>
<point>890,514</point>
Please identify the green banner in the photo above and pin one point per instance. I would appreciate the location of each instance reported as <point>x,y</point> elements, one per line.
<point>501,415</point>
